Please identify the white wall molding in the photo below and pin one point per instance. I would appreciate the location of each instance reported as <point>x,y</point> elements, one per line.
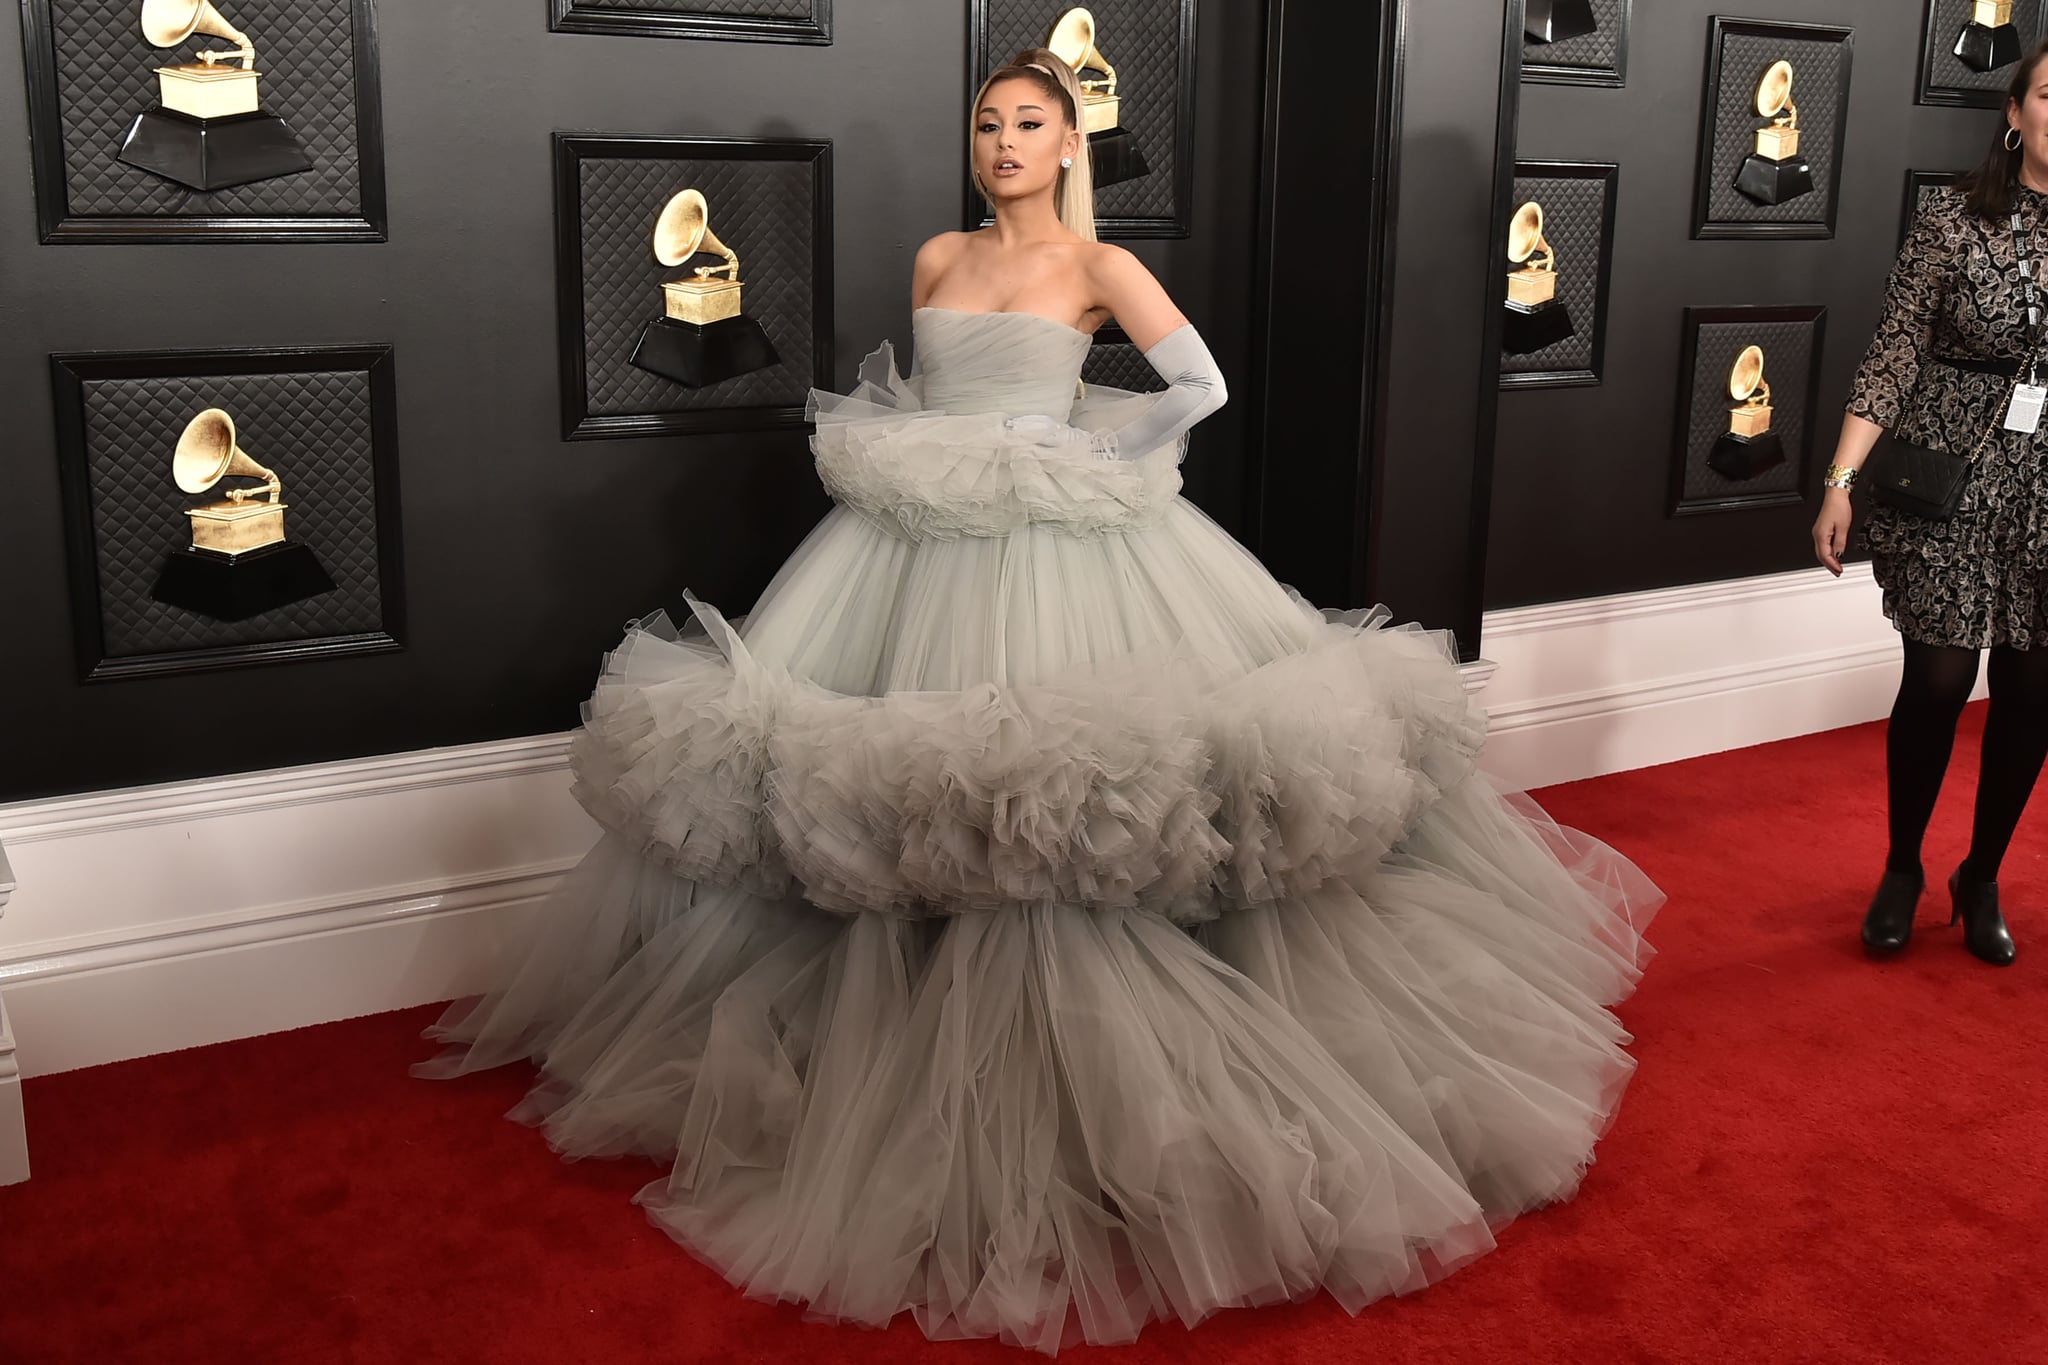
<point>172,916</point>
<point>13,1123</point>
<point>281,789</point>
<point>1612,683</point>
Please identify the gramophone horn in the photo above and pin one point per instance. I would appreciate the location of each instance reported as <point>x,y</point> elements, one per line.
<point>683,229</point>
<point>1073,37</point>
<point>1073,42</point>
<point>167,23</point>
<point>1747,373</point>
<point>1774,91</point>
<point>207,453</point>
<point>1525,234</point>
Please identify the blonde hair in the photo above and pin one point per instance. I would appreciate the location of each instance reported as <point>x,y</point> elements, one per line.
<point>1073,193</point>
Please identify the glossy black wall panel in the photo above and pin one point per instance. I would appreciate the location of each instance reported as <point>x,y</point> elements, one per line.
<point>1581,476</point>
<point>524,554</point>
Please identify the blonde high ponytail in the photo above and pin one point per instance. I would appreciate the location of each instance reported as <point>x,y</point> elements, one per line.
<point>1073,194</point>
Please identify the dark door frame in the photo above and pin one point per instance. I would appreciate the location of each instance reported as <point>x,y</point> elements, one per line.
<point>1324,323</point>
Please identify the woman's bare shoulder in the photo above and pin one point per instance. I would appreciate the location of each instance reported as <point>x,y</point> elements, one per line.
<point>942,247</point>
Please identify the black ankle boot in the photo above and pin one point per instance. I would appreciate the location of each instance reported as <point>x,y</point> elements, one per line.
<point>1889,923</point>
<point>1984,931</point>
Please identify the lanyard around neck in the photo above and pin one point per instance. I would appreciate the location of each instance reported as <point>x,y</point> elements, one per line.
<point>2028,292</point>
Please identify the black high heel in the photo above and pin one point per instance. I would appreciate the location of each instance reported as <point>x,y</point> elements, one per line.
<point>1984,931</point>
<point>1888,924</point>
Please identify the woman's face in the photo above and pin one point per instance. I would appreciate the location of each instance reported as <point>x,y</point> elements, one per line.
<point>2030,116</point>
<point>1019,139</point>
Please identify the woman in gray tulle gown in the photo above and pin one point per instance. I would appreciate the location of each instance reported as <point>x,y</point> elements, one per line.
<point>1033,916</point>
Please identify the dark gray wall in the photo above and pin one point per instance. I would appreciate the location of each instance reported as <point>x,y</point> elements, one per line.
<point>523,554</point>
<point>1581,475</point>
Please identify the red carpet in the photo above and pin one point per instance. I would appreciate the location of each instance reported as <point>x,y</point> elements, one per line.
<point>1821,1159</point>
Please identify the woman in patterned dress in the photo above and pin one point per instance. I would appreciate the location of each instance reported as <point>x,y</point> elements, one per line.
<point>1953,337</point>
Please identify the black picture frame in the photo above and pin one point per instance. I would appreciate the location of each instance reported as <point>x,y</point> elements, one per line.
<point>571,151</point>
<point>1562,64</point>
<point>57,223</point>
<point>1917,184</point>
<point>660,19</point>
<point>1540,375</point>
<point>71,371</point>
<point>1178,222</point>
<point>1943,81</point>
<point>1714,159</point>
<point>1803,476</point>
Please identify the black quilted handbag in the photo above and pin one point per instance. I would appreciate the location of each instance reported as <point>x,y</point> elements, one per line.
<point>1916,478</point>
<point>1924,481</point>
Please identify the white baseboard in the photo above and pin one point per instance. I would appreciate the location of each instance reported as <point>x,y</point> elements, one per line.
<point>13,1123</point>
<point>1613,683</point>
<point>168,917</point>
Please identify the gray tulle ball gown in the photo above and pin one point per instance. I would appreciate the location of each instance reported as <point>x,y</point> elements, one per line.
<point>1037,918</point>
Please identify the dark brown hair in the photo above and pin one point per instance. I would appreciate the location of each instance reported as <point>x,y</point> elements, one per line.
<point>1988,190</point>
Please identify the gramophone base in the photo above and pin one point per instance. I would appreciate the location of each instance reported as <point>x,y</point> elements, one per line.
<point>1114,157</point>
<point>236,587</point>
<point>1553,21</point>
<point>1986,49</point>
<point>212,153</point>
<point>1773,182</point>
<point>697,354</point>
<point>1531,327</point>
<point>1737,458</point>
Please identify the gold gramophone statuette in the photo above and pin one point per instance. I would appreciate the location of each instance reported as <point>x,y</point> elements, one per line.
<point>683,230</point>
<point>1752,416</point>
<point>207,88</point>
<point>1536,282</point>
<point>1073,42</point>
<point>206,454</point>
<point>1990,39</point>
<point>1779,141</point>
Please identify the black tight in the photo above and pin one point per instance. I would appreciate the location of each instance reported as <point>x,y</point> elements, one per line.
<point>1935,685</point>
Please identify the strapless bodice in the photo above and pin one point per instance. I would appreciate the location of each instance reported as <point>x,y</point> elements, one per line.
<point>997,362</point>
<point>931,455</point>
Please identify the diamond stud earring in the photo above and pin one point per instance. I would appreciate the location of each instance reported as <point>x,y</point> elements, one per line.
<point>1066,161</point>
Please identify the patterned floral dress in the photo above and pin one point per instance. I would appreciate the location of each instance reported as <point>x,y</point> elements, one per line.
<point>1972,580</point>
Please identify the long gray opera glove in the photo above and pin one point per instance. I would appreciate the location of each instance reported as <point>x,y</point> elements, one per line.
<point>1194,390</point>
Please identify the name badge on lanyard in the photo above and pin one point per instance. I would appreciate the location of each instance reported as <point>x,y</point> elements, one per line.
<point>2023,413</point>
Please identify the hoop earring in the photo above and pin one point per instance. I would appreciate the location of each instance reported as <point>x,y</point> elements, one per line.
<point>2012,139</point>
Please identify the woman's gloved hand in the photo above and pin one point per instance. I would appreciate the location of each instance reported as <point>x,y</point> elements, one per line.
<point>1051,432</point>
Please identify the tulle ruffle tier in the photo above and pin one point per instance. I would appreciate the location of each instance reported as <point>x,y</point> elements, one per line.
<point>1157,781</point>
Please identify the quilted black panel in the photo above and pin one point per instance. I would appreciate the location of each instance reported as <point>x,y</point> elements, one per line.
<point>1819,85</point>
<point>1598,52</point>
<point>1120,365</point>
<point>314,429</point>
<point>1574,209</point>
<point>107,75</point>
<point>1141,39</point>
<point>1788,369</point>
<point>762,210</point>
<point>738,9</point>
<point>1942,68</point>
